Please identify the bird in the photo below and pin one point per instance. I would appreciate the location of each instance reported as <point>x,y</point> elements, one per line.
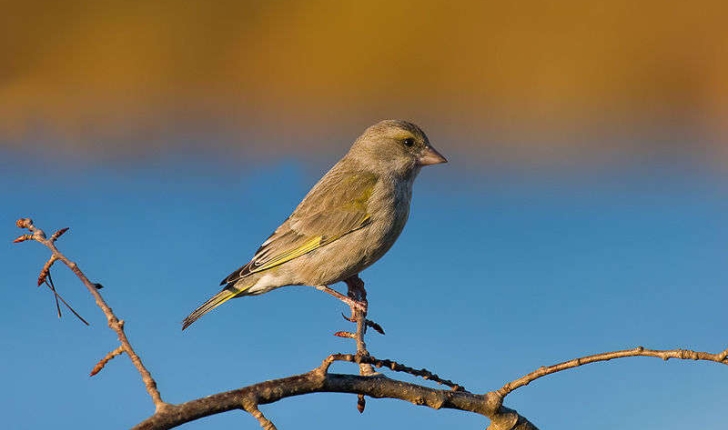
<point>346,222</point>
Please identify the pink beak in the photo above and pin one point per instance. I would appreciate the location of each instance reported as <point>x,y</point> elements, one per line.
<point>431,156</point>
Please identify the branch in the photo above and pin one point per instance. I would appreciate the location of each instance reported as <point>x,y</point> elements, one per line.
<point>682,354</point>
<point>114,323</point>
<point>320,381</point>
<point>397,367</point>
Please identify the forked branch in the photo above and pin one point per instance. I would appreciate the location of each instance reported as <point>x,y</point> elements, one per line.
<point>319,380</point>
<point>115,324</point>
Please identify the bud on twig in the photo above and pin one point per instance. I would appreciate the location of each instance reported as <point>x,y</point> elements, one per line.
<point>100,365</point>
<point>24,223</point>
<point>58,234</point>
<point>345,334</point>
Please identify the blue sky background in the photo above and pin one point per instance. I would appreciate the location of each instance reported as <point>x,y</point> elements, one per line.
<point>583,210</point>
<point>496,274</point>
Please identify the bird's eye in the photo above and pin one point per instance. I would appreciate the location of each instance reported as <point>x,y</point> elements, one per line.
<point>408,142</point>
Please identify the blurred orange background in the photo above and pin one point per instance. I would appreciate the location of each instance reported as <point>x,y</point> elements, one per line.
<point>530,81</point>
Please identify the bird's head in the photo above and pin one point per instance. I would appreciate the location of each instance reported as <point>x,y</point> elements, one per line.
<point>395,147</point>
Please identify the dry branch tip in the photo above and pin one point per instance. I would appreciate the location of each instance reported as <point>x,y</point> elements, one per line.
<point>100,365</point>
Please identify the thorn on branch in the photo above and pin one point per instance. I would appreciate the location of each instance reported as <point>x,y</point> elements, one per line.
<point>100,365</point>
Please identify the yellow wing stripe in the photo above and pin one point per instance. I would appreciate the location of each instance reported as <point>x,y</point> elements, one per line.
<point>290,255</point>
<point>307,247</point>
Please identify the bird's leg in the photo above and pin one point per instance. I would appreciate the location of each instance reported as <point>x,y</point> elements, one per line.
<point>356,291</point>
<point>353,304</point>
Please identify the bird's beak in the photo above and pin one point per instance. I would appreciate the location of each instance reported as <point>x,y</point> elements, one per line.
<point>430,156</point>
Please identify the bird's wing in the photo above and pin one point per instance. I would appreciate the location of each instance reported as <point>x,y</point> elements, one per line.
<point>336,206</point>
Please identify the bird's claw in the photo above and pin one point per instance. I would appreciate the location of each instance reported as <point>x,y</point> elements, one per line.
<point>357,305</point>
<point>378,328</point>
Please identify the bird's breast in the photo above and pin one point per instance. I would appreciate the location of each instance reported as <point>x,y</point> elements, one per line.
<point>390,209</point>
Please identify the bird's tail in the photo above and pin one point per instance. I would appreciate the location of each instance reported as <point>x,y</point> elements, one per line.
<point>218,299</point>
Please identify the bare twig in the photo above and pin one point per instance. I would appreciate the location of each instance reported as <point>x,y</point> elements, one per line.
<point>114,323</point>
<point>100,365</point>
<point>392,365</point>
<point>682,354</point>
<point>252,407</point>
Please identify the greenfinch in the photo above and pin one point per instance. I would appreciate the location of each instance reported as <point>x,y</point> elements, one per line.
<point>348,220</point>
